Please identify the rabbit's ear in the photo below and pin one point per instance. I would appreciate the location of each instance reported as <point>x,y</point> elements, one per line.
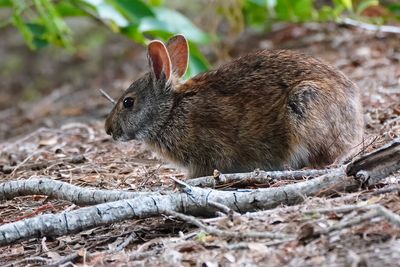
<point>178,50</point>
<point>160,62</point>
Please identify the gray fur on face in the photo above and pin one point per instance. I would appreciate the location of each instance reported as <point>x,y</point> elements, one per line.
<point>152,103</point>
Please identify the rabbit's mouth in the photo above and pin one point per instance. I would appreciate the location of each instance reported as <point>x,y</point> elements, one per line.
<point>118,133</point>
<point>121,137</point>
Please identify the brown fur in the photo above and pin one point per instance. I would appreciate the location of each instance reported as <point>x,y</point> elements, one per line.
<point>269,110</point>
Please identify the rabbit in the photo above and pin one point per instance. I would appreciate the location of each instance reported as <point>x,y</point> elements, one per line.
<point>268,110</point>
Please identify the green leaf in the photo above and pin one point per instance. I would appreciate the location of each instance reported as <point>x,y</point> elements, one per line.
<point>133,10</point>
<point>67,9</point>
<point>132,32</point>
<point>156,3</point>
<point>326,14</point>
<point>197,62</point>
<point>39,35</point>
<point>256,13</point>
<point>365,4</point>
<point>107,12</point>
<point>5,3</point>
<point>40,43</point>
<point>202,237</point>
<point>303,10</point>
<point>37,30</point>
<point>395,8</point>
<point>174,22</point>
<point>296,11</point>
<point>153,25</point>
<point>24,30</point>
<point>57,31</point>
<point>260,3</point>
<point>347,4</point>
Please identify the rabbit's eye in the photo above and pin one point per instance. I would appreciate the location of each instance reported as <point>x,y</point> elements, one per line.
<point>128,102</point>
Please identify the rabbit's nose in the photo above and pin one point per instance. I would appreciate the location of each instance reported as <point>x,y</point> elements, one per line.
<point>108,128</point>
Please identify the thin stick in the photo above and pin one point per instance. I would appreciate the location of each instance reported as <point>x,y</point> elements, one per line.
<point>25,161</point>
<point>371,27</point>
<point>107,96</point>
<point>389,215</point>
<point>376,210</point>
<point>225,209</point>
<point>340,209</point>
<point>357,220</point>
<point>226,233</point>
<point>126,242</point>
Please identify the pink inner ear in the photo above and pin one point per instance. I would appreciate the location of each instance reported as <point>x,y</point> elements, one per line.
<point>159,58</point>
<point>178,50</point>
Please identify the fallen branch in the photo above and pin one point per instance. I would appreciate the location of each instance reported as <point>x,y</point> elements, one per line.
<point>371,27</point>
<point>256,177</point>
<point>194,201</point>
<point>377,164</point>
<point>61,190</point>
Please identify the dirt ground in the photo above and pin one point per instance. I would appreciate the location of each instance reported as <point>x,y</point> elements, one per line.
<point>42,137</point>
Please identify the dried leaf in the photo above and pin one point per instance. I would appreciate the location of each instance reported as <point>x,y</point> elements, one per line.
<point>306,233</point>
<point>48,142</point>
<point>258,247</point>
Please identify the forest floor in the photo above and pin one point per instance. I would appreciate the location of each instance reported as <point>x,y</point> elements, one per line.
<point>44,137</point>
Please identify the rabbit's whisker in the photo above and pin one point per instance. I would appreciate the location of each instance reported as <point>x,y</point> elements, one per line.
<point>107,96</point>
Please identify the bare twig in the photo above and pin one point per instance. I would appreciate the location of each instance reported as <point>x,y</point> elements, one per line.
<point>371,27</point>
<point>225,209</point>
<point>389,215</point>
<point>140,255</point>
<point>65,259</point>
<point>375,210</point>
<point>226,233</point>
<point>25,161</point>
<point>245,245</point>
<point>42,164</point>
<point>341,209</point>
<point>126,242</point>
<point>355,221</point>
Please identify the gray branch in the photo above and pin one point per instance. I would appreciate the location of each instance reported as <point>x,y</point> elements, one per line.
<point>256,177</point>
<point>61,190</point>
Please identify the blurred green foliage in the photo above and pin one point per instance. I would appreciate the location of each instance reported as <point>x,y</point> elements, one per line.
<point>257,12</point>
<point>43,22</point>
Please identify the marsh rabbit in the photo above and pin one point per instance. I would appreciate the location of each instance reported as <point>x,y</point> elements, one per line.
<point>270,110</point>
